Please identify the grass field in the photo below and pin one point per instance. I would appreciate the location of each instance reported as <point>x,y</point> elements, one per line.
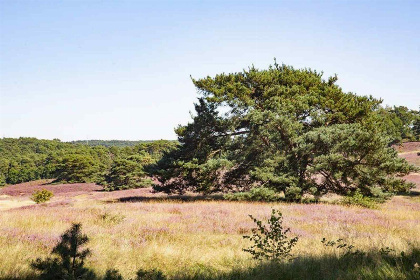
<point>193,236</point>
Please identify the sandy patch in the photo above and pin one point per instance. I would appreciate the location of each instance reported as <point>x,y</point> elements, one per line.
<point>6,204</point>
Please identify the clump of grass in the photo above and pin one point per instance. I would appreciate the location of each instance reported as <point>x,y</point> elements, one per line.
<point>111,219</point>
<point>42,196</point>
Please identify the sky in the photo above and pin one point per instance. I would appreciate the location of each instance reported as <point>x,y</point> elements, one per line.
<point>122,69</point>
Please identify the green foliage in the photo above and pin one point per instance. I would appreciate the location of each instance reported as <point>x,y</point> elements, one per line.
<point>271,241</point>
<point>286,129</point>
<point>400,123</point>
<point>128,173</point>
<point>41,196</point>
<point>68,264</point>
<point>111,143</point>
<point>293,193</point>
<point>76,168</point>
<point>255,194</point>
<point>360,200</point>
<point>27,159</point>
<point>150,275</point>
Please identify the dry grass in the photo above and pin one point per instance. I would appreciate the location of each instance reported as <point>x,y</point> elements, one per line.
<point>185,237</point>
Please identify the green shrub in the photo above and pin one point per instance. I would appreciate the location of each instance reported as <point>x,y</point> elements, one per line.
<point>41,196</point>
<point>270,241</point>
<point>255,194</point>
<point>293,194</point>
<point>360,200</point>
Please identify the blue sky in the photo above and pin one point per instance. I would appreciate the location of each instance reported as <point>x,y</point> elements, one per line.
<point>121,69</point>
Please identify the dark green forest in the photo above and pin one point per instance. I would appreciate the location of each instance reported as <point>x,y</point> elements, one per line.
<point>283,129</point>
<point>26,159</point>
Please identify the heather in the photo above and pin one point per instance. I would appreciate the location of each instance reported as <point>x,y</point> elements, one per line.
<point>196,237</point>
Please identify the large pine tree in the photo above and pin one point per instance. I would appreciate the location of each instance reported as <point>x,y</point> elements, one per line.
<point>284,129</point>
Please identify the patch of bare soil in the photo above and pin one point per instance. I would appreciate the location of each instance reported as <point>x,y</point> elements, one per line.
<point>414,178</point>
<point>407,147</point>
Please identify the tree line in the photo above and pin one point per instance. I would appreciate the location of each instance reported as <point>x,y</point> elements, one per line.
<point>111,143</point>
<point>26,159</point>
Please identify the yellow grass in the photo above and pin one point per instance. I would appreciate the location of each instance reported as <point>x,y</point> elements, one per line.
<point>183,237</point>
<point>8,202</point>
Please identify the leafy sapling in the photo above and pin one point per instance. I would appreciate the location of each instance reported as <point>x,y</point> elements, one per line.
<point>271,241</point>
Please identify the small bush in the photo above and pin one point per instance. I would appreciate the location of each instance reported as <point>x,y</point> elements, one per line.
<point>293,194</point>
<point>255,194</point>
<point>272,242</point>
<point>359,199</point>
<point>41,196</point>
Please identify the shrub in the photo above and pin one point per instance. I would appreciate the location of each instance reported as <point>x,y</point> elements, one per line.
<point>70,258</point>
<point>293,194</point>
<point>256,194</point>
<point>359,199</point>
<point>270,242</point>
<point>41,196</point>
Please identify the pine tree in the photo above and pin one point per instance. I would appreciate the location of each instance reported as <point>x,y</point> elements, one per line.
<point>286,129</point>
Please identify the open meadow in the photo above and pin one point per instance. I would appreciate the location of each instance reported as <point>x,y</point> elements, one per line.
<point>187,236</point>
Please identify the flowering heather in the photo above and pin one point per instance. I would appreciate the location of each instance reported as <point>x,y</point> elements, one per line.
<point>154,230</point>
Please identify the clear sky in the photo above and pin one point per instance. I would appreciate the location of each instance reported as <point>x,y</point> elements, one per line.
<point>121,69</point>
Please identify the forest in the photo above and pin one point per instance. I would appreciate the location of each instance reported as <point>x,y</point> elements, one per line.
<point>27,159</point>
